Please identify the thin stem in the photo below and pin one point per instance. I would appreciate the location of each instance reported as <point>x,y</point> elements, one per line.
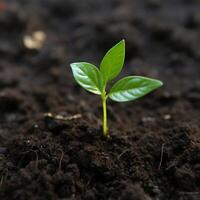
<point>105,127</point>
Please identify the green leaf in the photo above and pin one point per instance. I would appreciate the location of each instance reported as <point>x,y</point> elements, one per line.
<point>88,76</point>
<point>133,87</point>
<point>113,61</point>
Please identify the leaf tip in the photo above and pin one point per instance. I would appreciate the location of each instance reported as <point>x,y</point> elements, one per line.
<point>160,83</point>
<point>72,65</point>
<point>122,42</point>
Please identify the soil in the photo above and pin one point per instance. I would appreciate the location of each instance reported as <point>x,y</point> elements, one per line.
<point>154,149</point>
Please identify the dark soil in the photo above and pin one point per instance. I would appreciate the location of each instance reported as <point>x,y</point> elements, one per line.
<point>154,149</point>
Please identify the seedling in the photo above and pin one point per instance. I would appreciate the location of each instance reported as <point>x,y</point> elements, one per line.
<point>96,80</point>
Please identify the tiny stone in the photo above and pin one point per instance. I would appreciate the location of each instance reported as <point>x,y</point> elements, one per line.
<point>35,126</point>
<point>28,141</point>
<point>167,117</point>
<point>35,40</point>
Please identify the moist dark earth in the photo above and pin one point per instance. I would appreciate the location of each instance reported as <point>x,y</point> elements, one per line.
<point>154,149</point>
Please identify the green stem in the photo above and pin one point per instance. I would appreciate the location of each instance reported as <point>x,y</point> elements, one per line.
<point>105,127</point>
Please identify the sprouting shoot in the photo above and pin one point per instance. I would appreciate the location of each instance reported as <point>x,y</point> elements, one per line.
<point>95,80</point>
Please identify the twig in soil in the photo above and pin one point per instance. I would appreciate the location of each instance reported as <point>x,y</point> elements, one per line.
<point>1,181</point>
<point>161,156</point>
<point>121,154</point>
<point>60,117</point>
<point>88,183</point>
<point>36,162</point>
<point>173,164</point>
<point>3,176</point>
<point>60,162</point>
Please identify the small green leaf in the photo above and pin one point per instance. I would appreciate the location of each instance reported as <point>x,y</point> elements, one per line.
<point>113,61</point>
<point>133,87</point>
<point>88,76</point>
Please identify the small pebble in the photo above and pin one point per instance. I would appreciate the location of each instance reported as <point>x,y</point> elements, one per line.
<point>35,40</point>
<point>167,117</point>
<point>28,141</point>
<point>35,126</point>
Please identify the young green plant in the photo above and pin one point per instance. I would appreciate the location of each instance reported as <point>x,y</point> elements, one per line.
<point>96,80</point>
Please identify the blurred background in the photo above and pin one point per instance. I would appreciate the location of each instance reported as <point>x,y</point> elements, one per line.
<point>40,38</point>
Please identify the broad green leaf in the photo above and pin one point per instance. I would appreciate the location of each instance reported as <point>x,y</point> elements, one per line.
<point>88,76</point>
<point>133,87</point>
<point>113,61</point>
